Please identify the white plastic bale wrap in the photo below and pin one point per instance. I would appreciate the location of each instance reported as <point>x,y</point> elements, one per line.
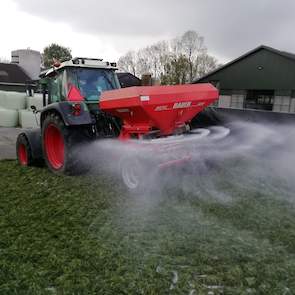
<point>12,100</point>
<point>36,100</point>
<point>8,118</point>
<point>27,119</point>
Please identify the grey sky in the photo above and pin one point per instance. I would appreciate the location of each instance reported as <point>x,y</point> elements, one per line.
<point>230,27</point>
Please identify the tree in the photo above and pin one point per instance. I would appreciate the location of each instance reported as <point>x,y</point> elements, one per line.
<point>55,51</point>
<point>191,45</point>
<point>175,70</point>
<point>205,65</point>
<point>148,60</point>
<point>4,60</point>
<point>177,61</point>
<point>127,63</point>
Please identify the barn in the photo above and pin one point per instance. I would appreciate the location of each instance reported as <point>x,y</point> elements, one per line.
<point>13,78</point>
<point>262,79</point>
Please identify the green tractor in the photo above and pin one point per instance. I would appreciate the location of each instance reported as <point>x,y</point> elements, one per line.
<point>71,114</point>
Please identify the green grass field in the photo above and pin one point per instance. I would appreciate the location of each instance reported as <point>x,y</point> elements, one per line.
<point>63,235</point>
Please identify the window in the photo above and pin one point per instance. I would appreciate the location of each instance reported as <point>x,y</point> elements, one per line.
<point>237,101</point>
<point>260,100</point>
<point>282,104</point>
<point>92,82</point>
<point>57,87</point>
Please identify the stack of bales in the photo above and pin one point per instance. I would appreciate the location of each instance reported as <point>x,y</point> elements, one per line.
<point>27,119</point>
<point>10,104</point>
<point>15,109</point>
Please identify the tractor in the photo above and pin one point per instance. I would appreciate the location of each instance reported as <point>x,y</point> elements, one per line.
<point>83,102</point>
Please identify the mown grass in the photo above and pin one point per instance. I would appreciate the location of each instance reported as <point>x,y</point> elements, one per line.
<point>86,235</point>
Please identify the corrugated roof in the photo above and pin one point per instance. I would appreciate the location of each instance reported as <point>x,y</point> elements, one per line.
<point>12,73</point>
<point>285,54</point>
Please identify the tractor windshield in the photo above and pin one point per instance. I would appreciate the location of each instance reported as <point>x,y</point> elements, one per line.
<point>92,82</point>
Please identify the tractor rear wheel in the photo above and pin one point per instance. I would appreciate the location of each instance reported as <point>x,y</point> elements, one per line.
<point>61,146</point>
<point>23,151</point>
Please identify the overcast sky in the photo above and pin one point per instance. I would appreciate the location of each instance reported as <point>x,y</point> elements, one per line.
<point>108,29</point>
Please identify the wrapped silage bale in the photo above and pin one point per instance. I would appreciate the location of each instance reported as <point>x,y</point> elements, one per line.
<point>28,119</point>
<point>36,100</point>
<point>12,100</point>
<point>8,118</point>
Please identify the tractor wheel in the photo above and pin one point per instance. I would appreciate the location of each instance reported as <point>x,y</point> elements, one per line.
<point>23,151</point>
<point>131,173</point>
<point>60,146</point>
<point>136,174</point>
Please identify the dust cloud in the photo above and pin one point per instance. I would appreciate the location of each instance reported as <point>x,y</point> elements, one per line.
<point>207,162</point>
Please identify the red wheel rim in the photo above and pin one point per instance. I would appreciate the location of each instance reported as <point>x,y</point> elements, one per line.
<point>54,146</point>
<point>22,154</point>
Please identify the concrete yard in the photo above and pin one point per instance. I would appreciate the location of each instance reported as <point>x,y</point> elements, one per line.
<point>7,142</point>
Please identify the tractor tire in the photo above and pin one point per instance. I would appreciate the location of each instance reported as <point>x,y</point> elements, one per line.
<point>23,151</point>
<point>61,145</point>
<point>137,174</point>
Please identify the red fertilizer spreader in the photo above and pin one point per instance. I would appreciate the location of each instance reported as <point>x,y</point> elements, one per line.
<point>161,110</point>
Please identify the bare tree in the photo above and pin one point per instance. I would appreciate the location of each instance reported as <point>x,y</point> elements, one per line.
<point>179,60</point>
<point>128,63</point>
<point>160,53</point>
<point>205,64</point>
<point>4,60</point>
<point>192,46</point>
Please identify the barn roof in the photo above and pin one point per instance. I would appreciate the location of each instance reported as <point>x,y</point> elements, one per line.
<point>285,54</point>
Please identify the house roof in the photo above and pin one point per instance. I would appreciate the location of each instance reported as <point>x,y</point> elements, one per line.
<point>285,54</point>
<point>12,74</point>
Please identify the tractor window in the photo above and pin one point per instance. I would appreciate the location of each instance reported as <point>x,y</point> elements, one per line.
<point>92,82</point>
<point>64,86</point>
<point>57,88</point>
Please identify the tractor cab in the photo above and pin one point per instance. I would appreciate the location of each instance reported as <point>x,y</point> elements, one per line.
<point>72,90</point>
<point>79,80</point>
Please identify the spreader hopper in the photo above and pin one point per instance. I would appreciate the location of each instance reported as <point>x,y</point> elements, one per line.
<point>162,108</point>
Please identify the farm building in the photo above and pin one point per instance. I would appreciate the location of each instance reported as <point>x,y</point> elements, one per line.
<point>13,77</point>
<point>29,60</point>
<point>262,79</point>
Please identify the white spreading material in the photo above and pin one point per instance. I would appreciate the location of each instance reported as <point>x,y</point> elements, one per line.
<point>8,118</point>
<point>28,119</point>
<point>12,100</point>
<point>36,100</point>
